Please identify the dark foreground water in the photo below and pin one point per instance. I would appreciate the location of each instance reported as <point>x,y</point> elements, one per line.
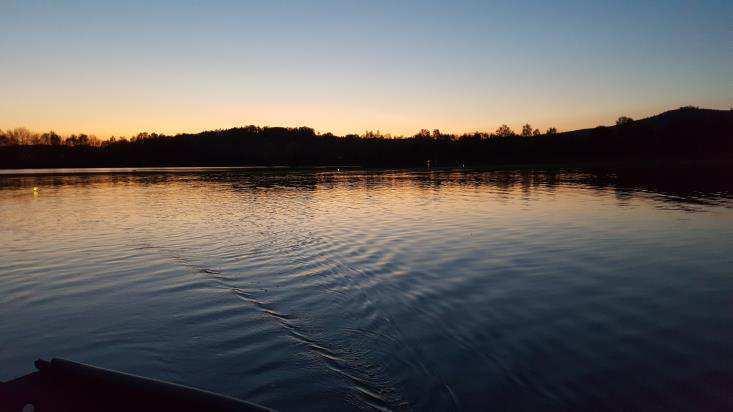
<point>321,290</point>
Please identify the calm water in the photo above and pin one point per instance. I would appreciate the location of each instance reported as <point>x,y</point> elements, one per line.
<point>389,290</point>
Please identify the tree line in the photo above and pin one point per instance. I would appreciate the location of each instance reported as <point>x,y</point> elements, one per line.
<point>21,136</point>
<point>685,132</point>
<point>24,137</point>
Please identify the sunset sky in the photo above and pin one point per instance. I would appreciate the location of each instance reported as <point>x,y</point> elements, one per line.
<point>117,68</point>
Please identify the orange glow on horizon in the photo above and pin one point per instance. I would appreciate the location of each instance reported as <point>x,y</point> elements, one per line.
<point>104,121</point>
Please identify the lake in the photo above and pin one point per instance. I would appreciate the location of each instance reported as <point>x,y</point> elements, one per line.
<point>349,289</point>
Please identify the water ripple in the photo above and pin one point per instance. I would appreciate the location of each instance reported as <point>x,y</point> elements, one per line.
<point>387,290</point>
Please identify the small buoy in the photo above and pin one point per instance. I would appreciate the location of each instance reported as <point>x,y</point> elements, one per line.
<point>35,188</point>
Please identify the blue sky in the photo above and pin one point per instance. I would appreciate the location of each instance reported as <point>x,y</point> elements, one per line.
<point>122,67</point>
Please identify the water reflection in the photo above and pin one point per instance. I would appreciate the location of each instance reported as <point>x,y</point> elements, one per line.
<point>677,187</point>
<point>324,289</point>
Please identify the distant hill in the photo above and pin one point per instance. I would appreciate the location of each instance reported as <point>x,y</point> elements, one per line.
<point>678,122</point>
<point>685,134</point>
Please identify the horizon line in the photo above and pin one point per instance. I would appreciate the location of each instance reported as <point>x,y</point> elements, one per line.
<point>377,131</point>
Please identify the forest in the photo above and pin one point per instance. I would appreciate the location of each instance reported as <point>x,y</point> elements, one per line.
<point>684,133</point>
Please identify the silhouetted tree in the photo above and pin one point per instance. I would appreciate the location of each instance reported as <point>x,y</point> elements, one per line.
<point>80,140</point>
<point>20,135</point>
<point>372,135</point>
<point>50,138</point>
<point>551,131</point>
<point>526,130</point>
<point>623,121</point>
<point>536,132</point>
<point>504,131</point>
<point>140,137</point>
